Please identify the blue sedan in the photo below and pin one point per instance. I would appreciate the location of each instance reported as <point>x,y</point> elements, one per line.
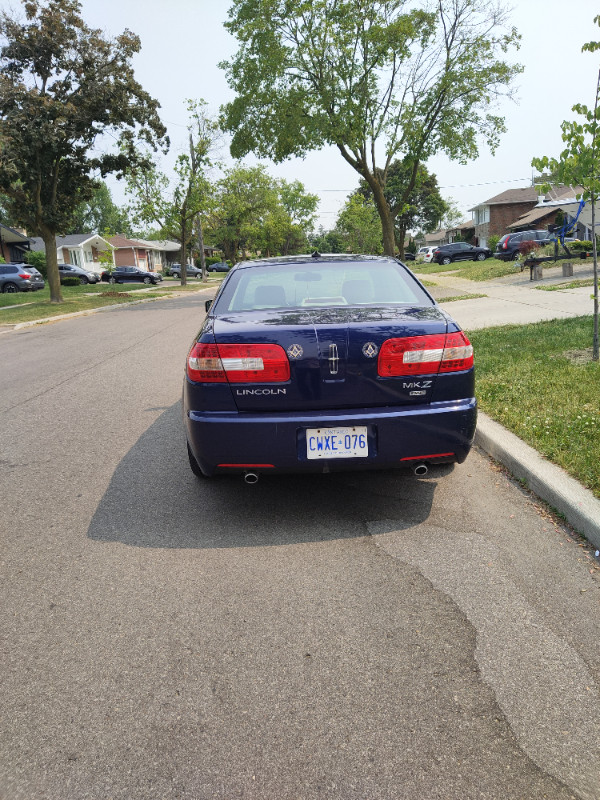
<point>322,363</point>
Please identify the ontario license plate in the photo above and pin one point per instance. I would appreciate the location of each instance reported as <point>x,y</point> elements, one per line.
<point>337,442</point>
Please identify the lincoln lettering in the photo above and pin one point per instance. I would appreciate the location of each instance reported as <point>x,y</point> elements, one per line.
<point>260,392</point>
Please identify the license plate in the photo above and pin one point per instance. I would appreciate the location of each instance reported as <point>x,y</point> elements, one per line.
<point>337,442</point>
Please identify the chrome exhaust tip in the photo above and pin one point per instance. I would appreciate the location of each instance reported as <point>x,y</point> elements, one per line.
<point>420,470</point>
<point>250,477</point>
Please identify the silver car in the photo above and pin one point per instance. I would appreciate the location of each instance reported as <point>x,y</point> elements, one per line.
<point>20,278</point>
<point>73,271</point>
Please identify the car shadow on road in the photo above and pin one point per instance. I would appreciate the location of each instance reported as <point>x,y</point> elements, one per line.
<point>154,500</point>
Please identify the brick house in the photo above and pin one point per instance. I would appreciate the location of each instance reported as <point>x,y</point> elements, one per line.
<point>13,244</point>
<point>544,214</point>
<point>493,216</point>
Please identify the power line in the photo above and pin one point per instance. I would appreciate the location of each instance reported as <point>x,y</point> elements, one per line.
<point>453,186</point>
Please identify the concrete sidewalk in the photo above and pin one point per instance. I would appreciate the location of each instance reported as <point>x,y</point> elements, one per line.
<point>515,300</point>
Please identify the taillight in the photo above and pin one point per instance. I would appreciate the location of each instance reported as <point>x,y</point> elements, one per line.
<point>425,355</point>
<point>25,275</point>
<point>505,245</point>
<point>238,363</point>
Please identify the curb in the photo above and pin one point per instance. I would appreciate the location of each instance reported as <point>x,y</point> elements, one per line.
<point>549,482</point>
<point>18,325</point>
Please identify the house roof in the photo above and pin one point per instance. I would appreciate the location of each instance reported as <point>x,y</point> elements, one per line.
<point>527,195</point>
<point>73,240</point>
<point>534,216</point>
<point>161,244</point>
<point>119,241</point>
<point>548,205</point>
<point>11,235</point>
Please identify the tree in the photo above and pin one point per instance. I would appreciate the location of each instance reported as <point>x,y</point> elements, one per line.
<point>99,214</point>
<point>579,165</point>
<point>63,85</point>
<point>380,80</point>
<point>424,208</point>
<point>358,223</point>
<point>176,210</point>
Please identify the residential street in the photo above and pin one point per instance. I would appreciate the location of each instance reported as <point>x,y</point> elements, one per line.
<point>357,636</point>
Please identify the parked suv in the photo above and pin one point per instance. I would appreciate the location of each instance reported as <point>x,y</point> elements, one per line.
<point>507,248</point>
<point>190,271</point>
<point>460,251</point>
<point>20,278</point>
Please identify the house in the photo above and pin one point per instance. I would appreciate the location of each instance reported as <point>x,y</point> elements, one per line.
<point>493,216</point>
<point>13,244</point>
<point>545,212</point>
<point>462,233</point>
<point>435,239</point>
<point>81,249</point>
<point>163,253</point>
<point>134,253</point>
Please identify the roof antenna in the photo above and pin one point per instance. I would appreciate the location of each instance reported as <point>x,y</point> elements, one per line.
<point>316,254</point>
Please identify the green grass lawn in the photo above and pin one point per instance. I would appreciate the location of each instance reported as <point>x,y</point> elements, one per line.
<point>539,382</point>
<point>486,270</point>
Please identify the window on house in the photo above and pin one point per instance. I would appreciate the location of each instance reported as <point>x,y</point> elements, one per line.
<point>89,256</point>
<point>75,257</point>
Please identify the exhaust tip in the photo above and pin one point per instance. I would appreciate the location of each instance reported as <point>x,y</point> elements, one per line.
<point>250,477</point>
<point>420,470</point>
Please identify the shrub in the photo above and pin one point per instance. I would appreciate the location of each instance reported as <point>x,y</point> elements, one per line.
<point>492,242</point>
<point>70,282</point>
<point>580,246</point>
<point>38,260</point>
<point>527,249</point>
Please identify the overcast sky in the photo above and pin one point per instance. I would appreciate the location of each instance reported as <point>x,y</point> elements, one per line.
<point>184,40</point>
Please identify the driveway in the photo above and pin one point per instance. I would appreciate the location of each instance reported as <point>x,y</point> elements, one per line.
<point>337,636</point>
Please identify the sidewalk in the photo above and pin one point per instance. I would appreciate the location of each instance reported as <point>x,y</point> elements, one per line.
<point>516,300</point>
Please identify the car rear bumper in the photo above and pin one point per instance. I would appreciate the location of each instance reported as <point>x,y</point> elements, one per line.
<point>265,442</point>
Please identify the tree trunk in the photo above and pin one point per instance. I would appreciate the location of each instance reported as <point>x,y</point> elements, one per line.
<point>49,238</point>
<point>183,232</point>
<point>595,348</point>
<point>201,248</point>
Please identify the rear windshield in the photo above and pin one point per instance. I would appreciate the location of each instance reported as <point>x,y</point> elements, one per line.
<point>321,286</point>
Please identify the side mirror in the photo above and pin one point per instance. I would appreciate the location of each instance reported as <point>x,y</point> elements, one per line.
<point>208,304</point>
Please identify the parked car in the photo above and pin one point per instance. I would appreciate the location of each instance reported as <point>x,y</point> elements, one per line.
<point>507,248</point>
<point>20,278</point>
<point>73,271</point>
<point>322,363</point>
<point>190,271</point>
<point>131,275</point>
<point>220,266</point>
<point>409,256</point>
<point>459,251</point>
<point>425,254</point>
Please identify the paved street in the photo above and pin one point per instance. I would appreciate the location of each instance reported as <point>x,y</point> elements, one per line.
<point>342,636</point>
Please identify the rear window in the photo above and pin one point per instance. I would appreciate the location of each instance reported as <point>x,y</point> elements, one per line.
<point>308,285</point>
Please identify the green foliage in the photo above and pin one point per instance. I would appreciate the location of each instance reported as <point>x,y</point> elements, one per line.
<point>65,84</point>
<point>368,76</point>
<point>492,242</point>
<point>99,213</point>
<point>580,247</point>
<point>359,224</point>
<point>326,241</point>
<point>37,259</point>
<point>70,281</point>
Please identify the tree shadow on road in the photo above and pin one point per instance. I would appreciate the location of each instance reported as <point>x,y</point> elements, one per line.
<point>154,500</point>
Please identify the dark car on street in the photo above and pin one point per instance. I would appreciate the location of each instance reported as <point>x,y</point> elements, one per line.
<point>322,363</point>
<point>460,251</point>
<point>20,278</point>
<point>190,271</point>
<point>73,271</point>
<point>131,275</point>
<point>508,246</point>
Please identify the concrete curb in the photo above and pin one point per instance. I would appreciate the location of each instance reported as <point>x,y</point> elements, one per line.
<point>74,314</point>
<point>549,482</point>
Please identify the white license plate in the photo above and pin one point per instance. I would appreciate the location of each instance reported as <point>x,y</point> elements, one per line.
<point>337,442</point>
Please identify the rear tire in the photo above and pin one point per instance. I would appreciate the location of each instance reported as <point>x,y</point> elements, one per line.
<point>515,256</point>
<point>446,260</point>
<point>194,466</point>
<point>10,288</point>
<point>112,280</point>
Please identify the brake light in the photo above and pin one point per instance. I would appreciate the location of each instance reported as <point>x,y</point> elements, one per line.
<point>25,275</point>
<point>505,244</point>
<point>425,355</point>
<point>238,363</point>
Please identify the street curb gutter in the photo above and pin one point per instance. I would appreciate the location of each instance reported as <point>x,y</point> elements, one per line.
<point>549,482</point>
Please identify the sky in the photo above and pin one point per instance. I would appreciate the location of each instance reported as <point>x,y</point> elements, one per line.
<point>184,40</point>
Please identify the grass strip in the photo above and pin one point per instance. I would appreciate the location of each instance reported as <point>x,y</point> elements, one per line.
<point>460,297</point>
<point>572,285</point>
<point>539,382</point>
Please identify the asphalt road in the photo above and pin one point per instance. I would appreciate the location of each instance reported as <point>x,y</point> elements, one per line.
<point>338,636</point>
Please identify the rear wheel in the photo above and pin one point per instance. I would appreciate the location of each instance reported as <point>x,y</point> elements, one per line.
<point>10,288</point>
<point>515,256</point>
<point>194,466</point>
<point>112,280</point>
<point>446,260</point>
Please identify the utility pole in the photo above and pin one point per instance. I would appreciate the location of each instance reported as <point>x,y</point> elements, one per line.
<point>201,248</point>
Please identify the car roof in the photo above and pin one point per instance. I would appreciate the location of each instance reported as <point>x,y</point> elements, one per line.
<point>315,258</point>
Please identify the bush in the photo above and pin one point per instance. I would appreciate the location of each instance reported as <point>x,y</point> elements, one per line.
<point>70,281</point>
<point>578,247</point>
<point>492,242</point>
<point>38,260</point>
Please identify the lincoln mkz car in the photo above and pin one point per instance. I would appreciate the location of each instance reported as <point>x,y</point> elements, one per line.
<point>322,363</point>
